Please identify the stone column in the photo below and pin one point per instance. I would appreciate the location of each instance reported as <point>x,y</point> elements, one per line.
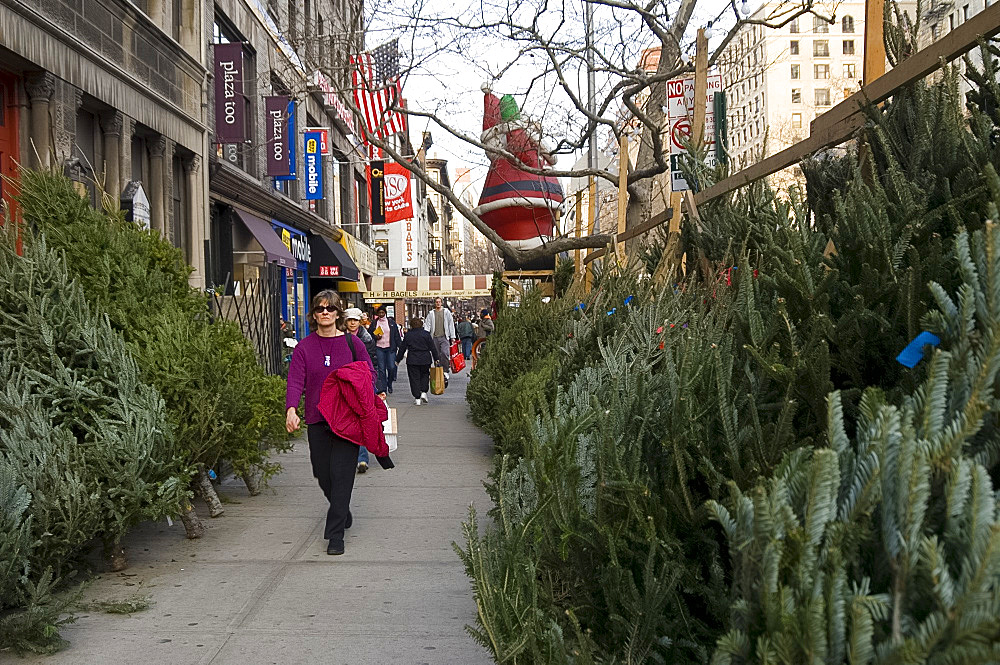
<point>40,86</point>
<point>195,213</point>
<point>111,123</point>
<point>157,180</point>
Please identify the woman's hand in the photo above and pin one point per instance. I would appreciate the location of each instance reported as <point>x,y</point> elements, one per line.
<point>383,396</point>
<point>292,421</point>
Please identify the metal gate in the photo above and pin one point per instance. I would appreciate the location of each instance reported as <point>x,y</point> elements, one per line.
<point>255,304</point>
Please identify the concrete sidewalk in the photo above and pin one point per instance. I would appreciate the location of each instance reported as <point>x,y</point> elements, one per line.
<point>259,588</point>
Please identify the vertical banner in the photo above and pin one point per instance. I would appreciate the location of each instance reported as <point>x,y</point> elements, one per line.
<point>376,192</point>
<point>230,123</point>
<point>313,157</point>
<point>408,257</point>
<point>290,142</point>
<point>276,130</point>
<point>324,134</point>
<point>398,199</point>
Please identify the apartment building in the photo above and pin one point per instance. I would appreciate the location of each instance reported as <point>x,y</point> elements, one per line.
<point>442,235</point>
<point>177,107</point>
<point>777,80</point>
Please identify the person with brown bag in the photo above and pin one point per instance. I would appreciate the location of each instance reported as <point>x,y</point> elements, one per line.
<point>420,351</point>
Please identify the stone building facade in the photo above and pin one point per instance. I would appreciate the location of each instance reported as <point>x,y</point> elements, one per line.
<point>111,94</point>
<point>120,95</point>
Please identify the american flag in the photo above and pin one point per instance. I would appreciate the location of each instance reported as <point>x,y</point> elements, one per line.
<point>376,89</point>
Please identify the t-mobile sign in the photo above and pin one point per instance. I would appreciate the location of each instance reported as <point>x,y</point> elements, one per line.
<point>276,119</point>
<point>230,124</point>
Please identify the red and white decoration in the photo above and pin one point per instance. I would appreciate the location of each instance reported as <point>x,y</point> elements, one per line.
<point>518,205</point>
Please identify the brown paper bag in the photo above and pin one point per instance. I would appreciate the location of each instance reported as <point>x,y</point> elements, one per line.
<point>437,380</point>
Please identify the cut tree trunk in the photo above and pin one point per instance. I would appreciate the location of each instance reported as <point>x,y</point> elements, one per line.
<point>115,556</point>
<point>203,485</point>
<point>193,527</point>
<point>252,480</point>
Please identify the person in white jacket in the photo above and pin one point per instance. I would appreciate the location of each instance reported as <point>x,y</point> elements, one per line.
<point>441,325</point>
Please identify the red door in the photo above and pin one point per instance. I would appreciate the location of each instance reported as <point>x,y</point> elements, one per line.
<point>8,144</point>
<point>8,149</point>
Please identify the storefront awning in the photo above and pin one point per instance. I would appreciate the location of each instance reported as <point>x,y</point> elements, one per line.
<point>330,259</point>
<point>274,250</point>
<point>387,288</point>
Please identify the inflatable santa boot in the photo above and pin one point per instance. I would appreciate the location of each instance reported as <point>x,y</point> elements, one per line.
<point>518,205</point>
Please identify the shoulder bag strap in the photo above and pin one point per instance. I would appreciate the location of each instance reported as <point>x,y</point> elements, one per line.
<point>350,343</point>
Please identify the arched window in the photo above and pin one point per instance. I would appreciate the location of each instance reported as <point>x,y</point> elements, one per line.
<point>847,24</point>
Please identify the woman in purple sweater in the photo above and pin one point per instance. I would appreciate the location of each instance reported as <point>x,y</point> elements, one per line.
<point>334,460</point>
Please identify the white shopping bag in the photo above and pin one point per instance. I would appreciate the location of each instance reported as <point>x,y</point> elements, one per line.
<point>389,428</point>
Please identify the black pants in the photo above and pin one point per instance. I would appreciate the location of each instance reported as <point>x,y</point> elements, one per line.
<point>334,463</point>
<point>420,378</point>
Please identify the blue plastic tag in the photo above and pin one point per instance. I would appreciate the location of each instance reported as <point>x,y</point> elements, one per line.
<point>914,351</point>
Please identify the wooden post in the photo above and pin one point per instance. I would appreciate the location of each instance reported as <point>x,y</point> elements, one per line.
<point>675,204</point>
<point>874,66</point>
<point>622,194</point>
<point>588,281</point>
<point>579,231</point>
<point>700,89</point>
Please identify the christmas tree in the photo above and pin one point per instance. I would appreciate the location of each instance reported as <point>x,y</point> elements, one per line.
<point>85,447</point>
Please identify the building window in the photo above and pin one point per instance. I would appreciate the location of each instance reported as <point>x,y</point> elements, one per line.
<point>797,120</point>
<point>793,47</point>
<point>965,13</point>
<point>820,25</point>
<point>796,95</point>
<point>934,31</point>
<point>847,24</point>
<point>796,72</point>
<point>821,48</point>
<point>951,21</point>
<point>850,70</point>
<point>179,223</point>
<point>793,27</point>
<point>847,92</point>
<point>293,23</point>
<point>382,252</point>
<point>821,71</point>
<point>848,47</point>
<point>177,19</point>
<point>822,96</point>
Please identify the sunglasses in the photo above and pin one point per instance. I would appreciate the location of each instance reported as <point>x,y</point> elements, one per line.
<point>325,308</point>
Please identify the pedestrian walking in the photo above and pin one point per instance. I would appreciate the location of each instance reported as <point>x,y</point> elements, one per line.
<point>441,325</point>
<point>333,458</point>
<point>353,320</point>
<point>420,351</point>
<point>466,334</point>
<point>486,324</point>
<point>387,338</point>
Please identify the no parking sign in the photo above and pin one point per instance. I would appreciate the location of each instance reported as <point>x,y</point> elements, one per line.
<point>680,112</point>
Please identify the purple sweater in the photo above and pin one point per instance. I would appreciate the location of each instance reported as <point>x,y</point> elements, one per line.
<point>308,370</point>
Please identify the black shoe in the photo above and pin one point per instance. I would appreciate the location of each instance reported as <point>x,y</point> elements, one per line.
<point>335,548</point>
<point>362,467</point>
<point>350,521</point>
<point>390,390</point>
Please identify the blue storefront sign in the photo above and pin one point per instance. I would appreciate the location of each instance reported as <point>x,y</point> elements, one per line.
<point>290,125</point>
<point>313,157</point>
<point>295,286</point>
